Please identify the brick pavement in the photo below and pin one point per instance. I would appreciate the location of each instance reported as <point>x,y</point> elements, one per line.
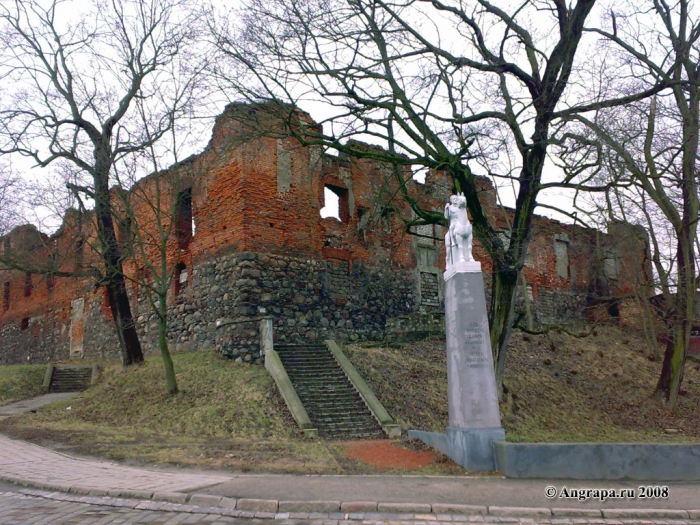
<point>25,463</point>
<point>88,482</point>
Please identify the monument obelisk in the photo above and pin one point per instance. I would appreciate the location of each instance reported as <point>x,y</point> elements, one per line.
<point>474,419</point>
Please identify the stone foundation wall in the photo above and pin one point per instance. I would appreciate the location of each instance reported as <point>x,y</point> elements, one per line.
<point>39,339</point>
<point>308,300</point>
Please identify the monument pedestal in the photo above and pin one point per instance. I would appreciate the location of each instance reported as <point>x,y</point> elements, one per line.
<point>475,422</point>
<point>473,448</point>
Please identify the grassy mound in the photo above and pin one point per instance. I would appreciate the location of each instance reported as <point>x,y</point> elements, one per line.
<point>559,388</point>
<point>20,382</point>
<point>227,415</point>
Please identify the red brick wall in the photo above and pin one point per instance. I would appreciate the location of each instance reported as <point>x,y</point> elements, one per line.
<point>237,208</point>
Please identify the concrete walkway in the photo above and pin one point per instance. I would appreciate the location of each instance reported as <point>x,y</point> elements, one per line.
<point>27,405</point>
<point>361,497</point>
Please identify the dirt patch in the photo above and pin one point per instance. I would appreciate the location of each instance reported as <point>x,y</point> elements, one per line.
<point>386,454</point>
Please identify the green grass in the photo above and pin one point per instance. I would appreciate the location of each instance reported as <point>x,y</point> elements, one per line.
<point>20,382</point>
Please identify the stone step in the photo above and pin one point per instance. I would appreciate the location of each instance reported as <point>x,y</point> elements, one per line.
<point>71,379</point>
<point>328,373</point>
<point>322,394</point>
<point>320,380</point>
<point>333,404</point>
<point>305,367</point>
<point>308,361</point>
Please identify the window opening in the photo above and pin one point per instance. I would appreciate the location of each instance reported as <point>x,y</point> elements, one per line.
<point>331,202</point>
<point>614,310</point>
<point>7,246</point>
<point>6,297</point>
<point>24,323</point>
<point>181,276</point>
<point>336,203</point>
<point>184,221</point>
<point>561,253</point>
<point>27,284</point>
<point>419,173</point>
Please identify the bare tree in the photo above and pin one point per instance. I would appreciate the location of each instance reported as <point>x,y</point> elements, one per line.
<point>651,148</point>
<point>469,88</point>
<point>69,94</point>
<point>156,219</point>
<point>9,202</point>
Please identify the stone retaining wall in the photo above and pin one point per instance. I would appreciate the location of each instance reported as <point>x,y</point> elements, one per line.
<point>308,300</point>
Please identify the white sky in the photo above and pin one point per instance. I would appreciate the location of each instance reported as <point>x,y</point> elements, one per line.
<point>318,112</point>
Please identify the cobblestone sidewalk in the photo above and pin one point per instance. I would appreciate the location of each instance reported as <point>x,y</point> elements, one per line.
<point>44,508</point>
<point>22,462</point>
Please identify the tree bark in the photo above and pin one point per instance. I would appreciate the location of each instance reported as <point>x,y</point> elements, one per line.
<point>680,321</point>
<point>501,319</point>
<point>170,378</point>
<point>114,276</point>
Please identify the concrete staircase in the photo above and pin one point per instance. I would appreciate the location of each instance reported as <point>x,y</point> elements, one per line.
<point>70,379</point>
<point>332,403</point>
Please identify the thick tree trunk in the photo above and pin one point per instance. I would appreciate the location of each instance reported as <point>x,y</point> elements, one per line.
<point>501,312</point>
<point>680,322</point>
<point>683,311</point>
<point>114,276</point>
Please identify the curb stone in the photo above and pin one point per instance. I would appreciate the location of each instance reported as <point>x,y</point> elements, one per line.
<point>309,506</point>
<point>526,512</point>
<point>172,497</point>
<point>447,508</point>
<point>358,506</point>
<point>201,503</point>
<point>577,513</point>
<point>645,513</point>
<point>403,508</point>
<point>204,500</point>
<point>257,505</point>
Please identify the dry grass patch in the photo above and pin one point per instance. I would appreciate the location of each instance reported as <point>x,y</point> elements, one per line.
<point>20,382</point>
<point>227,415</point>
<point>559,388</point>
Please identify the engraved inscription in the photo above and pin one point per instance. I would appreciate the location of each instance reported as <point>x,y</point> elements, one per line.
<point>474,341</point>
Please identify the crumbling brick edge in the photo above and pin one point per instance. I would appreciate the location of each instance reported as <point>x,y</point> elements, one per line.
<point>323,510</point>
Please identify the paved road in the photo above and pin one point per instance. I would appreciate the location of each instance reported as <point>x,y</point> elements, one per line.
<point>35,507</point>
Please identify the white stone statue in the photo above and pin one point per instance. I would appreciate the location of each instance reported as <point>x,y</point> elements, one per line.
<point>458,239</point>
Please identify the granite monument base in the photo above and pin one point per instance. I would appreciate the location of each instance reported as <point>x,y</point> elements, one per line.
<point>472,449</point>
<point>474,419</point>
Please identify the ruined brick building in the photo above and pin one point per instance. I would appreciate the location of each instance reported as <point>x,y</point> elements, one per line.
<point>249,242</point>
